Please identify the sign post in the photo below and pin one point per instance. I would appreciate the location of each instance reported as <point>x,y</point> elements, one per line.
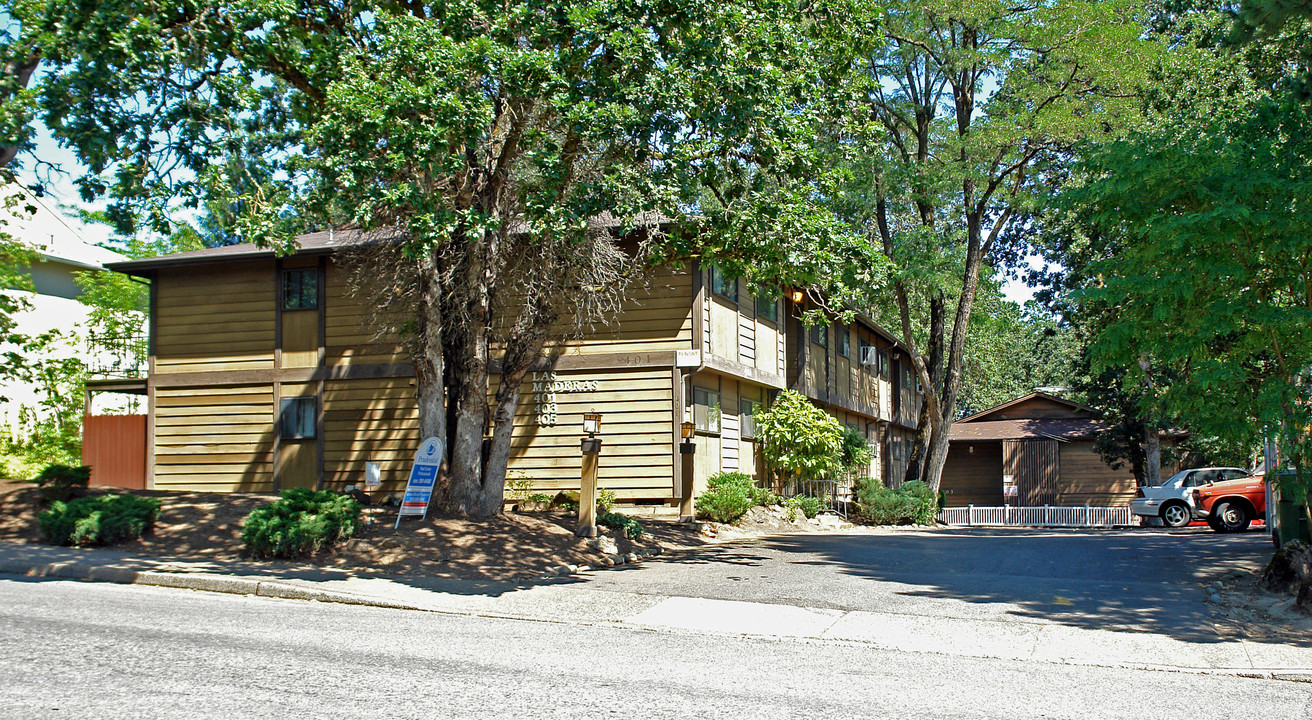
<point>423,477</point>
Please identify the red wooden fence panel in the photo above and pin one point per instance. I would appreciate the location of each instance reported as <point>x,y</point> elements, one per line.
<point>115,448</point>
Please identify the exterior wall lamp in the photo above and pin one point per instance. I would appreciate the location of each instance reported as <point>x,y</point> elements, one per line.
<point>591,447</point>
<point>686,450</point>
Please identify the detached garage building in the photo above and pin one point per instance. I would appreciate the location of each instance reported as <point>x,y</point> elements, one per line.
<point>1041,444</point>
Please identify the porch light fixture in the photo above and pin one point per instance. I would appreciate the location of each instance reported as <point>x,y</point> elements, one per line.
<point>796,296</point>
<point>592,423</point>
<point>688,429</point>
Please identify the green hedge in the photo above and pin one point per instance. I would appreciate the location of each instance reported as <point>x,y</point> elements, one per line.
<point>62,482</point>
<point>302,522</point>
<point>911,504</point>
<point>729,495</point>
<point>99,520</point>
<point>810,506</point>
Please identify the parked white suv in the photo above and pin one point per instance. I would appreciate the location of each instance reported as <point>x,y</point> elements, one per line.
<point>1173,500</point>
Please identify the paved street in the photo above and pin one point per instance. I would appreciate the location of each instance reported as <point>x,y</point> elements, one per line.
<point>1136,580</point>
<point>118,651</point>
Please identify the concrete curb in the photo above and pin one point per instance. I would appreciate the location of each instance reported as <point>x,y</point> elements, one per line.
<point>195,581</point>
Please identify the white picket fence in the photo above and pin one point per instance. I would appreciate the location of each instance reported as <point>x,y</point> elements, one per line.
<point>1041,516</point>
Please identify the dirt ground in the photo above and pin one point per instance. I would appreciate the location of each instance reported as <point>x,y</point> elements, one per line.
<point>515,546</point>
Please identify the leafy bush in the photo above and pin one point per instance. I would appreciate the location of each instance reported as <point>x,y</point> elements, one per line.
<point>606,499</point>
<point>810,506</point>
<point>912,503</point>
<point>632,528</point>
<point>98,520</point>
<point>799,440</point>
<point>62,482</point>
<point>519,488</point>
<point>729,495</point>
<point>302,522</point>
<point>539,498</point>
<point>856,452</point>
<point>567,500</point>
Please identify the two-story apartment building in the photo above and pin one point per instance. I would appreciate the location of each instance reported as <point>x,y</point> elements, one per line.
<point>265,374</point>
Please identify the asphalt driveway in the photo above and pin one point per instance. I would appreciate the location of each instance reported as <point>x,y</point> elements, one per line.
<point>1133,580</point>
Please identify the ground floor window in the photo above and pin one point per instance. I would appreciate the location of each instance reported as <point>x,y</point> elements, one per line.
<point>296,419</point>
<point>706,410</point>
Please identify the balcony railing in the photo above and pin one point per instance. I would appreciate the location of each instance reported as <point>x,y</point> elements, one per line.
<point>117,357</point>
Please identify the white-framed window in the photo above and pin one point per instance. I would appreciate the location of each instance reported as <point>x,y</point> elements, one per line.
<point>706,410</point>
<point>747,417</point>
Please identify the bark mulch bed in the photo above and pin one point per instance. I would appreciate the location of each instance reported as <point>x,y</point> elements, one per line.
<point>197,526</point>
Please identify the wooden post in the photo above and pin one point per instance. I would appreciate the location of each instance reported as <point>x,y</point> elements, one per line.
<point>686,512</point>
<point>588,489</point>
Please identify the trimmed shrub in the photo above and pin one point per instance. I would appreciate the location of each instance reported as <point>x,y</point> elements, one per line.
<point>729,495</point>
<point>62,482</point>
<point>810,506</point>
<point>98,520</point>
<point>911,504</point>
<point>632,528</point>
<point>302,522</point>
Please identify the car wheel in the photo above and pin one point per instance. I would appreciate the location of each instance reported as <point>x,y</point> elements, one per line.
<point>1230,517</point>
<point>1176,515</point>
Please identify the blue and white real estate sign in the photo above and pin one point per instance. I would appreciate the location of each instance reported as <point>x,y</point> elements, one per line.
<point>423,477</point>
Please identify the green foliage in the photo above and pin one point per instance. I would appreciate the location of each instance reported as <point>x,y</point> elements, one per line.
<point>519,488</point>
<point>809,506</point>
<point>631,527</point>
<point>914,503</point>
<point>539,498</point>
<point>300,523</point>
<point>98,520</point>
<point>729,495</point>
<point>799,440</point>
<point>61,482</point>
<point>605,499</point>
<point>566,500</point>
<point>856,452</point>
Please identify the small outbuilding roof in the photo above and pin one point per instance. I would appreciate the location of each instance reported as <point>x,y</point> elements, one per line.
<point>1027,429</point>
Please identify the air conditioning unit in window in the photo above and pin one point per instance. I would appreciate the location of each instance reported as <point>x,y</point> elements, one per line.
<point>869,355</point>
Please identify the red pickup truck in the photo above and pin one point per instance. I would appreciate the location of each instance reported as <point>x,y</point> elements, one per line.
<point>1231,505</point>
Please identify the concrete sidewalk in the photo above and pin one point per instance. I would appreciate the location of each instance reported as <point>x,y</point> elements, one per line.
<point>569,600</point>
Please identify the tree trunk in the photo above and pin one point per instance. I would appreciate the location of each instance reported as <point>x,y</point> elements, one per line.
<point>498,456</point>
<point>1152,454</point>
<point>934,369</point>
<point>430,373</point>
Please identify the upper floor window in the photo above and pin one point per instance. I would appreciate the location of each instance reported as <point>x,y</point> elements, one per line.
<point>820,335</point>
<point>300,289</point>
<point>844,339</point>
<point>768,309</point>
<point>883,364</point>
<point>722,285</point>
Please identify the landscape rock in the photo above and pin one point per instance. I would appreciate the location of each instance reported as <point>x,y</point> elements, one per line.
<point>1290,566</point>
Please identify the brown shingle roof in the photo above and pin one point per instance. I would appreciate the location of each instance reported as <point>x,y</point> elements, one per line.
<point>1038,428</point>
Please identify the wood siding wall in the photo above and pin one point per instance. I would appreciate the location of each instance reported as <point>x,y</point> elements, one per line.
<point>637,454</point>
<point>215,318</point>
<point>214,438</point>
<point>1035,467</point>
<point>1087,480</point>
